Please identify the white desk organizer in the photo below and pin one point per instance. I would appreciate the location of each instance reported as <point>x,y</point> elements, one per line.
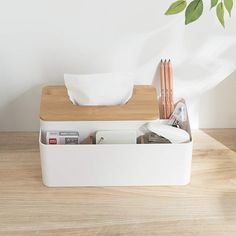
<point>111,164</point>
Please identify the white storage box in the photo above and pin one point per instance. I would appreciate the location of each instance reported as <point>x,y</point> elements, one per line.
<point>111,164</point>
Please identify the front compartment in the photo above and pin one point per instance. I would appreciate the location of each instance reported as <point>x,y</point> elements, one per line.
<point>116,164</point>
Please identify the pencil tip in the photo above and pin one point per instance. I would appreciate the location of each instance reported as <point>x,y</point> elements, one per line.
<point>169,60</point>
<point>161,61</point>
<point>165,61</point>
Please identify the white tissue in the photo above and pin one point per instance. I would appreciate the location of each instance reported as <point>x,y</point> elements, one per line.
<point>99,89</point>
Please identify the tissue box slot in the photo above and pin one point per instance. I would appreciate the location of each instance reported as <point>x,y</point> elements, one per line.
<point>56,106</point>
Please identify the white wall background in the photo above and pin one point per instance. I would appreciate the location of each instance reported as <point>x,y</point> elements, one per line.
<point>217,107</point>
<point>42,40</point>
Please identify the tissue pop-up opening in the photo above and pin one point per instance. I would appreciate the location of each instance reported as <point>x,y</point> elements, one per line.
<point>56,106</point>
<point>99,89</point>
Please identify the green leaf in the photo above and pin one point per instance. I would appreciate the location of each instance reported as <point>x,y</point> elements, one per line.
<point>176,7</point>
<point>193,11</point>
<point>220,13</point>
<point>213,3</point>
<point>229,5</point>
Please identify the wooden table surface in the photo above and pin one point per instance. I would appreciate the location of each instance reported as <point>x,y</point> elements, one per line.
<point>207,206</point>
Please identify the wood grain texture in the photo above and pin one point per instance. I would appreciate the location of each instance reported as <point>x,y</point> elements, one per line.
<point>206,207</point>
<point>56,106</point>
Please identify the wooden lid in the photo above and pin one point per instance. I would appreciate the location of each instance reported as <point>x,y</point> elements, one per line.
<point>56,106</point>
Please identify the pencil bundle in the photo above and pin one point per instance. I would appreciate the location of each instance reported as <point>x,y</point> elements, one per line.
<point>166,83</point>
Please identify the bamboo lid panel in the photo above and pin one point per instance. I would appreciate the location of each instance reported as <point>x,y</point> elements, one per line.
<point>56,106</point>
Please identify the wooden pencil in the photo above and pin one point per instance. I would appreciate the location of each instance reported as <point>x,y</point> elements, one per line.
<point>167,93</point>
<point>162,98</point>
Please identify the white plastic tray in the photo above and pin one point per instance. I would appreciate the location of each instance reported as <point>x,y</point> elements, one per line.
<point>114,164</point>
